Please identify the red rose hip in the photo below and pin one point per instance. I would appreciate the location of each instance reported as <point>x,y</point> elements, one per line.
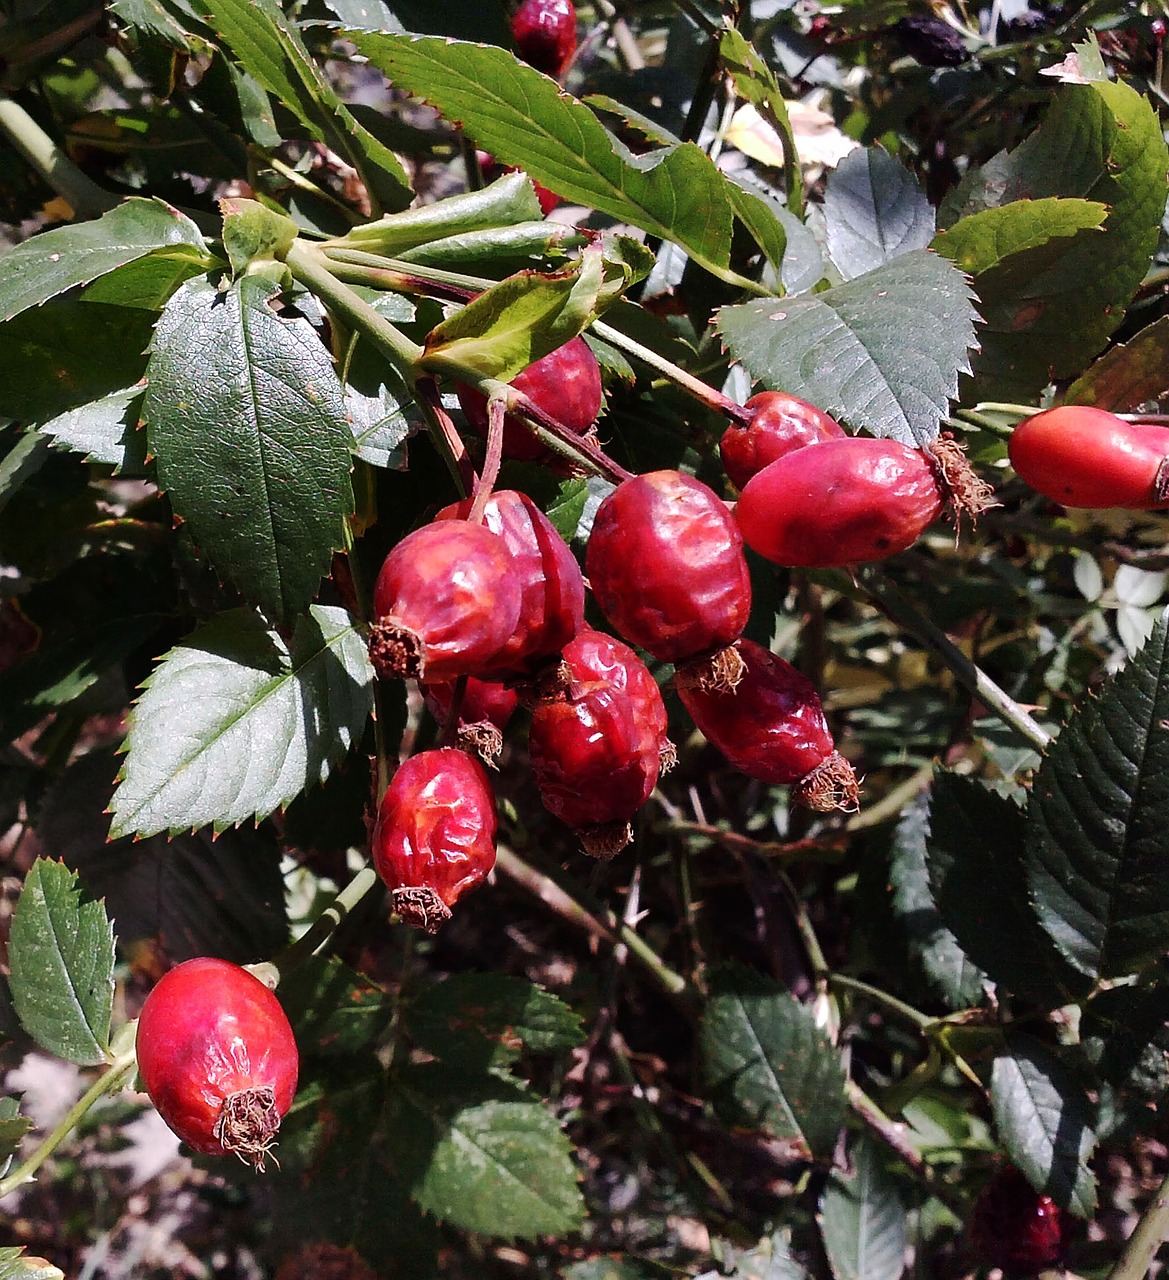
<point>218,1058</point>
<point>1084,457</point>
<point>545,34</point>
<point>565,384</point>
<point>771,726</point>
<point>446,601</point>
<point>781,424</point>
<point>484,713</point>
<point>434,838</point>
<point>665,562</point>
<point>1017,1228</point>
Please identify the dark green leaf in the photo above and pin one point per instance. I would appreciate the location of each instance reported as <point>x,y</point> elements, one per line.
<point>334,1009</point>
<point>1045,1120</point>
<point>524,119</point>
<point>13,1127</point>
<point>959,981</point>
<point>479,1020</point>
<point>862,1220</point>
<point>567,508</point>
<point>484,1155</point>
<point>761,219</point>
<point>770,1065</point>
<point>882,352</point>
<point>1127,374</point>
<point>1097,818</point>
<point>152,16</point>
<point>874,211</point>
<point>61,960</point>
<point>246,418</point>
<point>975,859</point>
<point>365,15</point>
<point>235,722</point>
<point>1125,1032</point>
<point>25,458</point>
<point>146,283</point>
<point>103,430</point>
<point>502,251</point>
<point>48,264</point>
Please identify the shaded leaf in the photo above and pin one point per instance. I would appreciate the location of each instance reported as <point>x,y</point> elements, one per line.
<point>862,1220</point>
<point>234,722</point>
<point>1128,374</point>
<point>103,430</point>
<point>24,459</point>
<point>882,352</point>
<point>1045,1120</point>
<point>1125,1032</point>
<point>874,211</point>
<point>334,1009</point>
<point>770,1065</point>
<point>1096,822</point>
<point>13,1127</point>
<point>61,961</point>
<point>246,418</point>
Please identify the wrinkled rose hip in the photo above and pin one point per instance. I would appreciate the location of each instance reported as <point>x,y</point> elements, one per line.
<point>781,424</point>
<point>1017,1228</point>
<point>434,838</point>
<point>484,713</point>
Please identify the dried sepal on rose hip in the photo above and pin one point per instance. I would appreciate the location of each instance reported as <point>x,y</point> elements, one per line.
<point>434,837</point>
<point>771,726</point>
<point>1080,456</point>
<point>218,1058</point>
<point>666,566</point>
<point>446,601</point>
<point>853,500</point>
<point>780,424</point>
<point>486,708</point>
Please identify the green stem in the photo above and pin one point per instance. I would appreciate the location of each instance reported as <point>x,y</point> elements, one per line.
<point>816,958</point>
<point>327,923</point>
<point>107,1082</point>
<point>83,195</point>
<point>1142,1245</point>
<point>997,406</point>
<point>901,609</point>
<point>842,982</point>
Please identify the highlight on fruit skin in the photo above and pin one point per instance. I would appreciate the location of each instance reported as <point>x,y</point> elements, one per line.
<point>1080,456</point>
<point>545,34</point>
<point>218,1058</point>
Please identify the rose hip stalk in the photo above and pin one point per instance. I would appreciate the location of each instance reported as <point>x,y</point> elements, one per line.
<point>771,726</point>
<point>781,424</point>
<point>848,501</point>
<point>446,601</point>
<point>434,838</point>
<point>551,586</point>
<point>565,384</point>
<point>1084,457</point>
<point>484,713</point>
<point>218,1058</point>
<point>665,562</point>
<point>596,749</point>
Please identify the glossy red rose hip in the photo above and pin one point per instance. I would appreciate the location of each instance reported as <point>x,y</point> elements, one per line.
<point>551,585</point>
<point>781,424</point>
<point>565,384</point>
<point>666,566</point>
<point>1017,1228</point>
<point>841,502</point>
<point>597,656</point>
<point>545,34</point>
<point>771,726</point>
<point>1085,457</point>
<point>446,601</point>
<point>434,838</point>
<point>218,1058</point>
<point>484,713</point>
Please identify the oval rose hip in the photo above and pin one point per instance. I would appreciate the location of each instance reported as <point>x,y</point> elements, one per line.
<point>565,384</point>
<point>1084,457</point>
<point>666,566</point>
<point>781,424</point>
<point>434,838</point>
<point>484,713</point>
<point>545,34</point>
<point>771,726</point>
<point>1015,1227</point>
<point>218,1058</point>
<point>446,601</point>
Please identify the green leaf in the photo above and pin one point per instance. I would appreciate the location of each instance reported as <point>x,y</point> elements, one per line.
<point>770,1065</point>
<point>975,860</point>
<point>996,238</point>
<point>254,233</point>
<point>524,119</point>
<point>269,47</point>
<point>771,1259</point>
<point>1128,374</point>
<point>567,508</point>
<point>61,960</point>
<point>862,1220</point>
<point>484,1155</point>
<point>334,1009</point>
<point>1125,1033</point>
<point>760,218</point>
<point>48,264</point>
<point>951,973</point>
<point>246,418</point>
<point>364,15</point>
<point>874,211</point>
<point>26,457</point>
<point>1100,142</point>
<point>234,722</point>
<point>103,430</point>
<point>1096,822</point>
<point>475,1021</point>
<point>145,283</point>
<point>15,1266</point>
<point>152,16</point>
<point>13,1127</point>
<point>1045,1121</point>
<point>882,352</point>
<point>501,251</point>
